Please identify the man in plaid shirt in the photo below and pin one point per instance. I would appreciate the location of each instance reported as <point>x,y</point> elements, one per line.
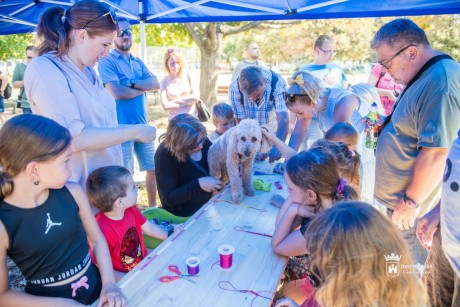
<point>252,97</point>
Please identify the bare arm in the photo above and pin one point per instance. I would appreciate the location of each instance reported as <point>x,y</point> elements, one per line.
<point>287,243</point>
<point>283,125</point>
<point>18,84</point>
<point>119,91</point>
<point>299,133</point>
<point>428,169</point>
<point>285,150</point>
<point>100,138</point>
<point>154,231</point>
<point>110,291</point>
<point>382,92</point>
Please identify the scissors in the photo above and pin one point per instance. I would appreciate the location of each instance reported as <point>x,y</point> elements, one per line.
<point>175,269</point>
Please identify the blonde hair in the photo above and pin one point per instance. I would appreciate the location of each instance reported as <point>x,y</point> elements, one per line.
<point>183,133</point>
<point>174,52</point>
<point>313,85</point>
<point>348,244</point>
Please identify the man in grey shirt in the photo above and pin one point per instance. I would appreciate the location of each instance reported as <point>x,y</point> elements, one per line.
<point>252,59</point>
<point>413,144</point>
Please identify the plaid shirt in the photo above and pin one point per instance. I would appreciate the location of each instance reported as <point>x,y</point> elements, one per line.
<point>260,112</point>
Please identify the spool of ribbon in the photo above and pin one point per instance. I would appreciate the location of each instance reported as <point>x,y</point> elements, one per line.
<point>259,184</point>
<point>193,265</point>
<point>226,256</point>
<point>278,185</point>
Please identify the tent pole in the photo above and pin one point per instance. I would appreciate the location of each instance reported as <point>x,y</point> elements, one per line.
<point>143,40</point>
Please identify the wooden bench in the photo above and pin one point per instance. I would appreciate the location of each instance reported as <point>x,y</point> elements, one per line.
<point>222,89</point>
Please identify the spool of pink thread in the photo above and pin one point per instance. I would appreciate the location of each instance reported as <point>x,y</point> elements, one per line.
<point>226,256</point>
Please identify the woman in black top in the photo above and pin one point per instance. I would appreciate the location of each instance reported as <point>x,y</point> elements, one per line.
<point>182,170</point>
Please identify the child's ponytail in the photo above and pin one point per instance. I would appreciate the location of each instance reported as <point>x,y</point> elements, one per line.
<point>344,191</point>
<point>6,184</point>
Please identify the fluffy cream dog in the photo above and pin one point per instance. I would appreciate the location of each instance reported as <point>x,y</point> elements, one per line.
<point>237,147</point>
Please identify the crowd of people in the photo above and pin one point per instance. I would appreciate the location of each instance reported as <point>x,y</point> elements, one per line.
<point>66,169</point>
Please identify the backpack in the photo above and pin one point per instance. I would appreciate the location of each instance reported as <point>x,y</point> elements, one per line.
<point>275,78</point>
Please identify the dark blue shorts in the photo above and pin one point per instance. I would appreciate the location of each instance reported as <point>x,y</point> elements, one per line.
<point>85,290</point>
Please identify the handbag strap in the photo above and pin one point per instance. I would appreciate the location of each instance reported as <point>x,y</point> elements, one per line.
<point>425,67</point>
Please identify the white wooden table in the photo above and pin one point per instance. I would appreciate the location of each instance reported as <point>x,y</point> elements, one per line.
<point>255,266</point>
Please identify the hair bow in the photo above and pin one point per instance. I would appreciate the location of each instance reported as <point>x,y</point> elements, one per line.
<point>300,82</point>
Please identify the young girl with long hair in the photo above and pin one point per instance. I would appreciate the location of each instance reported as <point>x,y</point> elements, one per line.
<point>46,222</point>
<point>314,185</point>
<point>350,247</point>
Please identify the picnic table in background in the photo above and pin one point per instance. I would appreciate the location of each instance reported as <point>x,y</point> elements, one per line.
<point>254,275</point>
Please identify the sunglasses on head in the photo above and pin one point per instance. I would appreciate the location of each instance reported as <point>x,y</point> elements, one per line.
<point>291,97</point>
<point>199,143</point>
<point>171,50</point>
<point>109,13</point>
<point>127,32</point>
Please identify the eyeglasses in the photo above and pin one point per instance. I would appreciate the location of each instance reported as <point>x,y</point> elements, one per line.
<point>385,63</point>
<point>328,52</point>
<point>128,33</point>
<point>30,57</point>
<point>112,16</point>
<point>291,97</point>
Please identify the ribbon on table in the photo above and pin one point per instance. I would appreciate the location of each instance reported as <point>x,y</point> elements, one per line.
<point>259,184</point>
<point>238,228</point>
<point>237,204</point>
<point>232,288</point>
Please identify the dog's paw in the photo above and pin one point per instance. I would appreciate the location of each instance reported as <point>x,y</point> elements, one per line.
<point>237,197</point>
<point>249,191</point>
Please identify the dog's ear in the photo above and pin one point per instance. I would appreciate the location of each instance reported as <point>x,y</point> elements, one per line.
<point>265,144</point>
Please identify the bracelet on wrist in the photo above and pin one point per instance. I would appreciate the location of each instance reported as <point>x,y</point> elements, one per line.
<point>409,202</point>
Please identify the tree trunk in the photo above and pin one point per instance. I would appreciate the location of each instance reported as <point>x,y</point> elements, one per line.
<point>209,74</point>
<point>208,38</point>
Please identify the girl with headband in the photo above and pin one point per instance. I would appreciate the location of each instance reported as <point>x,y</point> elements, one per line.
<point>314,184</point>
<point>46,223</point>
<point>353,250</point>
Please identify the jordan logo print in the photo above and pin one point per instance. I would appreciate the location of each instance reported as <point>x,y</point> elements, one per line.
<point>49,224</point>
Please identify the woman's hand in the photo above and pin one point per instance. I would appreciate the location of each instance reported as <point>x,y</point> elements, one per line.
<point>305,210</point>
<point>111,295</point>
<point>391,95</point>
<point>210,184</point>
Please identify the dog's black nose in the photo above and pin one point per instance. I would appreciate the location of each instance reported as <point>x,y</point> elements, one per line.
<point>247,153</point>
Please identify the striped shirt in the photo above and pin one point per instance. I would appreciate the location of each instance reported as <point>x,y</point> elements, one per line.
<point>262,111</point>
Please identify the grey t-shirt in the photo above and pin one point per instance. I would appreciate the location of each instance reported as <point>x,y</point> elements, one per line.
<point>246,63</point>
<point>428,115</point>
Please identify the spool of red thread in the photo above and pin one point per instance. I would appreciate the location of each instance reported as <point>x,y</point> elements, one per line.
<point>226,256</point>
<point>193,265</point>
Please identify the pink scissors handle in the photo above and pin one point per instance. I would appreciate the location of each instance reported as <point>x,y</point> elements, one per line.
<point>168,278</point>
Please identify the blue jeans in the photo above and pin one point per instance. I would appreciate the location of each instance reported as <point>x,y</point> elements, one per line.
<point>144,152</point>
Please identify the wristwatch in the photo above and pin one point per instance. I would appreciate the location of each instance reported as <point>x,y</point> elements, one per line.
<point>410,202</point>
<point>132,83</point>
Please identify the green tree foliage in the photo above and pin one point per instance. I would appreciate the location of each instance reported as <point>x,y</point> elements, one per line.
<point>173,34</point>
<point>12,47</point>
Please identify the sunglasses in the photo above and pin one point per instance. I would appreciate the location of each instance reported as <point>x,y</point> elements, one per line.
<point>385,63</point>
<point>292,97</point>
<point>113,17</point>
<point>127,32</point>
<point>201,142</point>
<point>30,57</point>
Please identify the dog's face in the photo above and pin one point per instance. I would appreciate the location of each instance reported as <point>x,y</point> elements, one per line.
<point>248,137</point>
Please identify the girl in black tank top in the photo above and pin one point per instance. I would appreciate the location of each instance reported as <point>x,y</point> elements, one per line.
<point>46,223</point>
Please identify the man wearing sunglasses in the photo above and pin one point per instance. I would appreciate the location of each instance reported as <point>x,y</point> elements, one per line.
<point>18,80</point>
<point>414,140</point>
<point>128,79</point>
